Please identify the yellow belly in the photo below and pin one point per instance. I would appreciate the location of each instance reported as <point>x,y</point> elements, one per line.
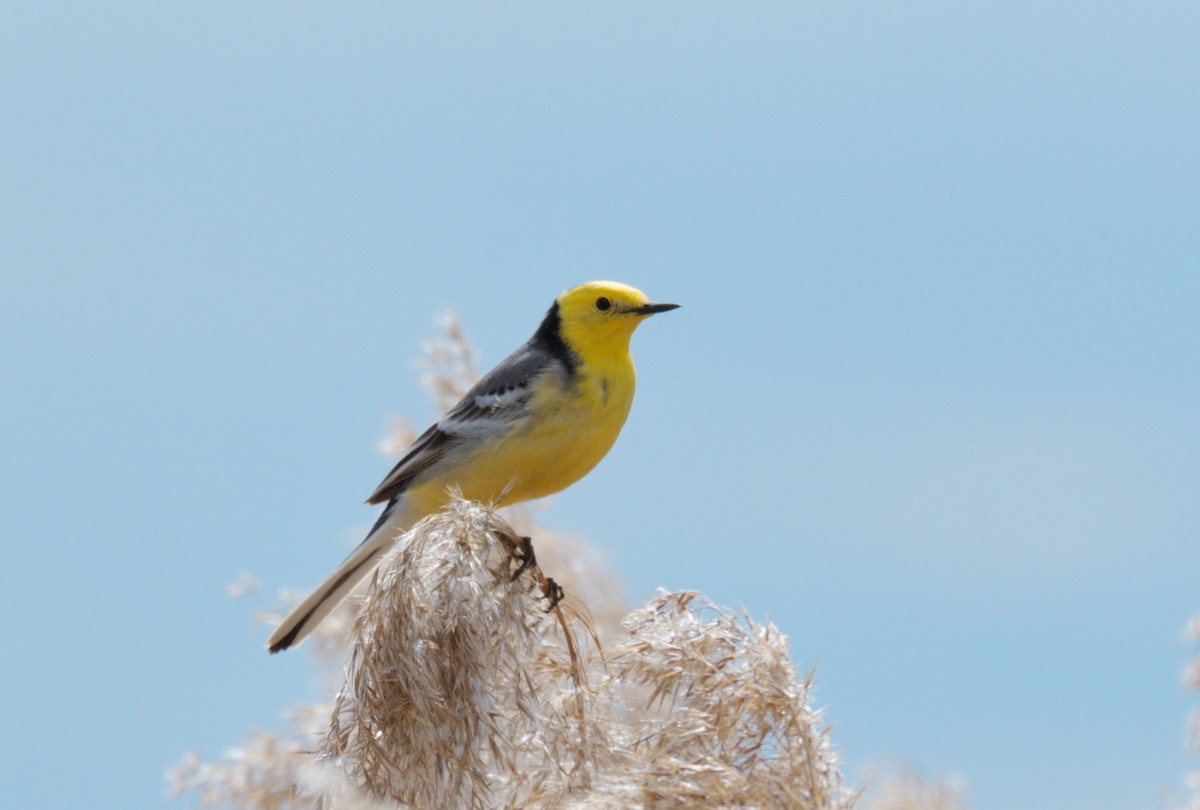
<point>564,438</point>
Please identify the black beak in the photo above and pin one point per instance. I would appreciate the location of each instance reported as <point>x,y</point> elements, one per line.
<point>650,309</point>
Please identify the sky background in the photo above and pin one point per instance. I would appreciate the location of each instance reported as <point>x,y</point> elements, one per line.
<point>932,404</point>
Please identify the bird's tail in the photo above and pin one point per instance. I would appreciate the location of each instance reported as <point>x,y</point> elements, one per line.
<point>305,617</point>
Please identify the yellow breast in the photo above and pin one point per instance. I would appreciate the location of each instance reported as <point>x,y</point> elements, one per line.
<point>568,429</point>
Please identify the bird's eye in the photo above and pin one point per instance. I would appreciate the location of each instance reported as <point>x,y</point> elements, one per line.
<point>603,303</point>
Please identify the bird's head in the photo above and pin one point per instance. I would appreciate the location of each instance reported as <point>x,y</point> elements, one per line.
<point>602,311</point>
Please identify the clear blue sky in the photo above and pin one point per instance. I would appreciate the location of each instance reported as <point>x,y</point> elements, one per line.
<point>932,403</point>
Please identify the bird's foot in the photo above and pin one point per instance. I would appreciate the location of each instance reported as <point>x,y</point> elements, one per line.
<point>527,560</point>
<point>526,556</point>
<point>553,593</point>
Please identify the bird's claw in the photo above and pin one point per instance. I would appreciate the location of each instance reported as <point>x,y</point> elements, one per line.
<point>526,556</point>
<point>553,593</point>
<point>551,590</point>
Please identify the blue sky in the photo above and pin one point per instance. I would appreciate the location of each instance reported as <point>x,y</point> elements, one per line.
<point>932,404</point>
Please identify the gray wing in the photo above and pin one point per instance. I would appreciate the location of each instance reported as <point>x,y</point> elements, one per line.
<point>491,405</point>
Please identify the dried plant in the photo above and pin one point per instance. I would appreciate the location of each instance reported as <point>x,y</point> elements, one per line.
<point>909,791</point>
<point>262,774</point>
<point>452,659</point>
<point>449,362</point>
<point>450,370</point>
<point>464,690</point>
<point>1191,680</point>
<point>708,711</point>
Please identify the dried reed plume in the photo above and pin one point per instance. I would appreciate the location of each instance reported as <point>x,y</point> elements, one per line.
<point>1191,680</point>
<point>908,791</point>
<point>451,368</point>
<point>463,691</point>
<point>453,678</point>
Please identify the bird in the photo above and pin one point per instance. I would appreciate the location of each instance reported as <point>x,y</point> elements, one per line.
<point>532,426</point>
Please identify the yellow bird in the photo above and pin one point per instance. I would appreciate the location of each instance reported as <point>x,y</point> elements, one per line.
<point>534,425</point>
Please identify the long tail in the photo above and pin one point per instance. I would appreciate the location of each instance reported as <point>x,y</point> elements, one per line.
<point>309,613</point>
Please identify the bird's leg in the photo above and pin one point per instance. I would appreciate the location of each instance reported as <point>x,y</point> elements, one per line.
<point>550,589</point>
<point>526,556</point>
<point>553,593</point>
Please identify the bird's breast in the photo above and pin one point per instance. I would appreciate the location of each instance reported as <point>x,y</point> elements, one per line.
<point>574,429</point>
<point>569,425</point>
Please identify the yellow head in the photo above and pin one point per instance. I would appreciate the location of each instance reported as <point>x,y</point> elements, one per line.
<point>603,314</point>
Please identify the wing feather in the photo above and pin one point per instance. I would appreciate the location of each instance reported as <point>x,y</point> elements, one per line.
<point>492,405</point>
